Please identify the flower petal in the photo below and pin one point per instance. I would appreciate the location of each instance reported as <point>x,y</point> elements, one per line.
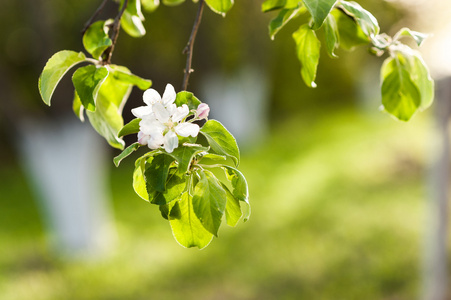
<point>161,113</point>
<point>155,141</point>
<point>151,96</point>
<point>143,139</point>
<point>171,141</point>
<point>169,95</point>
<point>186,129</point>
<point>151,126</point>
<point>142,111</point>
<point>181,112</point>
<point>202,111</point>
<point>171,108</point>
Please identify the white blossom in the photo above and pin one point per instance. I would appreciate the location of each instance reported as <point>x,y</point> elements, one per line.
<point>162,121</point>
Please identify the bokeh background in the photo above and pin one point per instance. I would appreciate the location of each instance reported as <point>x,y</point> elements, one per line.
<point>339,190</point>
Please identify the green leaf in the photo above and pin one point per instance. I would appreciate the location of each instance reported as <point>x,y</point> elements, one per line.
<point>150,5</point>
<point>130,128</point>
<point>96,39</point>
<point>132,19</point>
<point>157,173</point>
<point>175,186</point>
<point>419,73</point>
<point>173,2</point>
<point>221,140</point>
<point>188,230</point>
<point>269,5</point>
<point>107,119</point>
<point>184,155</point>
<point>246,209</point>
<point>77,107</point>
<point>129,150</point>
<point>367,22</point>
<point>400,95</point>
<point>87,82</point>
<point>209,201</point>
<point>213,156</point>
<point>417,36</point>
<point>188,99</point>
<point>55,69</point>
<point>139,182</point>
<point>350,34</point>
<point>319,9</point>
<point>220,6</point>
<point>233,209</point>
<point>129,78</point>
<point>331,34</point>
<point>307,48</point>
<point>239,183</point>
<point>284,16</point>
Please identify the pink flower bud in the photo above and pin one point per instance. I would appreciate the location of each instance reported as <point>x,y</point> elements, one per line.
<point>203,110</point>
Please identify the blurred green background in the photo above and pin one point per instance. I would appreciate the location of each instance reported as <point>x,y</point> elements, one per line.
<point>337,188</point>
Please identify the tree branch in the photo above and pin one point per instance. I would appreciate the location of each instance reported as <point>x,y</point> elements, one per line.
<point>116,26</point>
<point>91,20</point>
<point>189,47</point>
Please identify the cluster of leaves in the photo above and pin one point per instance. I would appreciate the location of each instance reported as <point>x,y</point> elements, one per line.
<point>218,6</point>
<point>188,194</point>
<point>406,84</point>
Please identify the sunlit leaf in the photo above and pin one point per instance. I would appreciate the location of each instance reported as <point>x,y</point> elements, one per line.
<point>319,9</point>
<point>175,186</point>
<point>209,201</point>
<point>150,5</point>
<point>128,77</point>
<point>367,22</point>
<point>188,230</point>
<point>239,183</point>
<point>269,5</point>
<point>220,6</point>
<point>188,99</point>
<point>132,19</point>
<point>184,155</point>
<point>96,39</point>
<point>350,33</point>
<point>417,36</point>
<point>157,173</point>
<point>129,150</point>
<point>77,107</point>
<point>221,140</point>
<point>139,182</point>
<point>233,209</point>
<point>308,49</point>
<point>55,69</point>
<point>173,2</point>
<point>130,128</point>
<point>87,82</point>
<point>331,34</point>
<point>284,16</point>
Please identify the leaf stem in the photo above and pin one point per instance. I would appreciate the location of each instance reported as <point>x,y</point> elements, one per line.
<point>96,13</point>
<point>189,47</point>
<point>116,26</point>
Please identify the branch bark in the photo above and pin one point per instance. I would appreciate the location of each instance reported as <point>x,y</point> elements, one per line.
<point>91,20</point>
<point>116,26</point>
<point>189,47</point>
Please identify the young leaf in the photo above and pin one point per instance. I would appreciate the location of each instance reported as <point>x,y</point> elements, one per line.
<point>307,48</point>
<point>96,39</point>
<point>221,140</point>
<point>331,34</point>
<point>284,16</point>
<point>184,155</point>
<point>129,150</point>
<point>246,209</point>
<point>107,119</point>
<point>233,209</point>
<point>188,230</point>
<point>126,76</point>
<point>132,18</point>
<point>188,99</point>
<point>175,186</point>
<point>139,182</point>
<point>319,9</point>
<point>270,5</point>
<point>220,6</point>
<point>213,156</point>
<point>209,201</point>
<point>77,107</point>
<point>150,5</point>
<point>157,173</point>
<point>173,2</point>
<point>400,95</point>
<point>239,183</point>
<point>130,128</point>
<point>417,36</point>
<point>420,75</point>
<point>350,34</point>
<point>367,22</point>
<point>87,82</point>
<point>55,69</point>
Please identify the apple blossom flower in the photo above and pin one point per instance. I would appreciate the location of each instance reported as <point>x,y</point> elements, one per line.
<point>162,121</point>
<point>202,111</point>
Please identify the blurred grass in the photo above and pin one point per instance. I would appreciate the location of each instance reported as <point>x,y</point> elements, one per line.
<point>337,213</point>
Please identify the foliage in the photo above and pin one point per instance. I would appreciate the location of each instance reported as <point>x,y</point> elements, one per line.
<point>177,173</point>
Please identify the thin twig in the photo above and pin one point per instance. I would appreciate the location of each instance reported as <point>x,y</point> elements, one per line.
<point>189,47</point>
<point>116,26</point>
<point>91,20</point>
